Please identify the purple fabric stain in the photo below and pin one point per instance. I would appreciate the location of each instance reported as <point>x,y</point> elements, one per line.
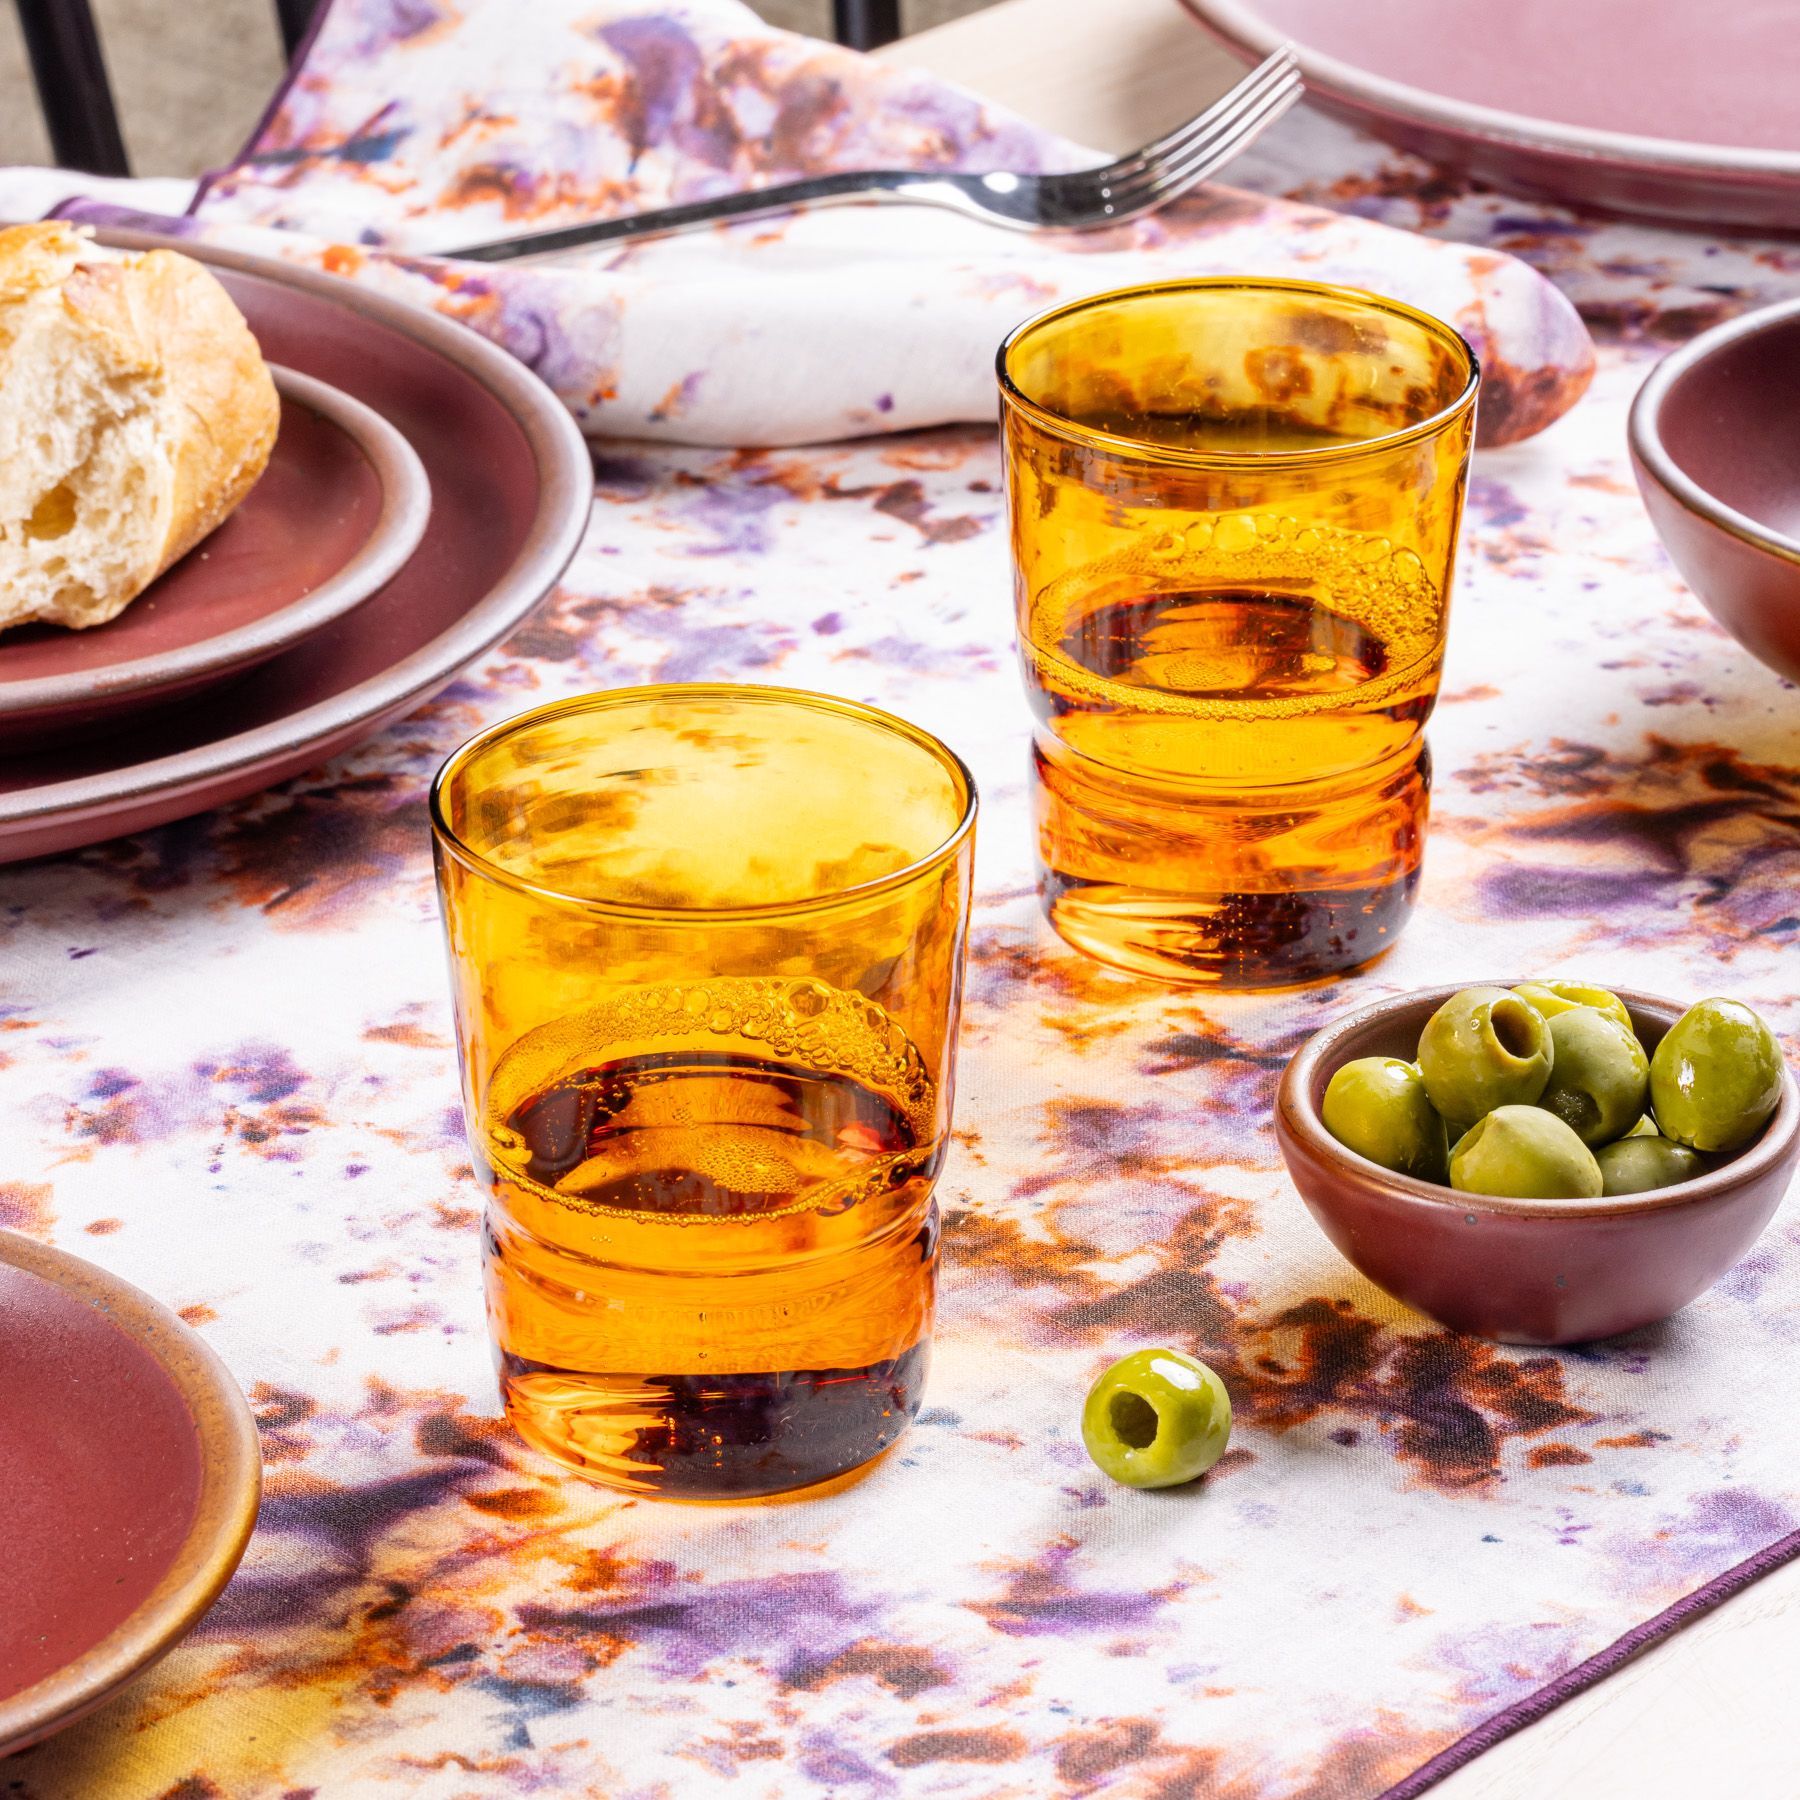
<point>1498,506</point>
<point>1747,1279</point>
<point>263,1074</point>
<point>394,21</point>
<point>1525,890</point>
<point>340,1529</point>
<point>1040,1601</point>
<point>713,652</point>
<point>676,403</point>
<point>1720,1529</point>
<point>790,1619</point>
<point>737,516</point>
<point>835,1768</point>
<point>1502,1663</point>
<point>664,64</point>
<point>924,658</point>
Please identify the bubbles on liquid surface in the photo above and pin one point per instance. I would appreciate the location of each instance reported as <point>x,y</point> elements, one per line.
<point>1374,610</point>
<point>736,1096</point>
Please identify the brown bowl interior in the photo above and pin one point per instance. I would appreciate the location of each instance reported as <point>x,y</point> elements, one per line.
<point>1731,422</point>
<point>1715,445</point>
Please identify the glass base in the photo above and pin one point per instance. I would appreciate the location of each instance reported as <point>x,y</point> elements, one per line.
<point>715,1437</point>
<point>1237,891</point>
<point>1233,942</point>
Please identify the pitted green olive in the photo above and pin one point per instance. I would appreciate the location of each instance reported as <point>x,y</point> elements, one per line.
<point>1598,1078</point>
<point>1484,1047</point>
<point>1524,1153</point>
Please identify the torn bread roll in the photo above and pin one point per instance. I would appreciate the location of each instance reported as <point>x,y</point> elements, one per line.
<point>135,413</point>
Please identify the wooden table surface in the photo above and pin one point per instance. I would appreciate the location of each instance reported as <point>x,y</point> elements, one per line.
<point>1701,1715</point>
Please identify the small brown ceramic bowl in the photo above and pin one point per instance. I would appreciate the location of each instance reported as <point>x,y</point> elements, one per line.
<point>1522,1271</point>
<point>1715,442</point>
<point>129,1478</point>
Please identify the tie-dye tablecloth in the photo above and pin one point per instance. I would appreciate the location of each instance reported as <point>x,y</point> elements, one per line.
<point>226,1073</point>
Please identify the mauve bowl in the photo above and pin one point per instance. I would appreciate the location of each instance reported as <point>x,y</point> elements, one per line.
<point>1522,1271</point>
<point>1715,443</point>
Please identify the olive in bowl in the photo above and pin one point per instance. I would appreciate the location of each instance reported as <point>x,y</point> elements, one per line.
<point>1524,1270</point>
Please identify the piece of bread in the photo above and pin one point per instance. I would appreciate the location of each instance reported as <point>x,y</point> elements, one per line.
<point>135,413</point>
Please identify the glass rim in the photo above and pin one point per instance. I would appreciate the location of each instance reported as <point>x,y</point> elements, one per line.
<point>962,780</point>
<point>1147,450</point>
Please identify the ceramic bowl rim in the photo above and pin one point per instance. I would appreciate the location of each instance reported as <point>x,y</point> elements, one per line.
<point>1295,1110</point>
<point>393,536</point>
<point>1644,430</point>
<point>1242,25</point>
<point>230,1490</point>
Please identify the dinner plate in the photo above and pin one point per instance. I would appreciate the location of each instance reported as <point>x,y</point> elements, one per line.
<point>129,1478</point>
<point>1659,108</point>
<point>511,488</point>
<point>342,504</point>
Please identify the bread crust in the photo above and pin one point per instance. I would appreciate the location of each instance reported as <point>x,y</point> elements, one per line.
<point>162,320</point>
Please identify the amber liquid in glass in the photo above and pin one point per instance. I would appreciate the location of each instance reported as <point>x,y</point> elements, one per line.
<point>1231,773</point>
<point>711,1239</point>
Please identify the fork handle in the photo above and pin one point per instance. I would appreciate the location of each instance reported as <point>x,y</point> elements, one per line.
<point>756,203</point>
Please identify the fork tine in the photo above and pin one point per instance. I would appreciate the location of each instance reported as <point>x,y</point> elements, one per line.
<point>1271,71</point>
<point>1249,125</point>
<point>1156,186</point>
<point>1247,115</point>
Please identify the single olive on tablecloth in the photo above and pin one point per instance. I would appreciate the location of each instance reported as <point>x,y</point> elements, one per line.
<point>706,945</point>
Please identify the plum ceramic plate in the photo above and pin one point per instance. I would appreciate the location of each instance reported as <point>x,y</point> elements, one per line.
<point>341,506</point>
<point>1659,108</point>
<point>511,487</point>
<point>131,1483</point>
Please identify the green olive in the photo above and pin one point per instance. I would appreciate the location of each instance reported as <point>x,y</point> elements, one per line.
<point>1645,1127</point>
<point>1599,1075</point>
<point>1378,1107</point>
<point>1715,1080</point>
<point>1524,1153</point>
<point>1553,997</point>
<point>1156,1418</point>
<point>1635,1165</point>
<point>1484,1048</point>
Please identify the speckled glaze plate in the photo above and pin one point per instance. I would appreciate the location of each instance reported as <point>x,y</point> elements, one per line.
<point>511,487</point>
<point>129,1480</point>
<point>341,506</point>
<point>1663,109</point>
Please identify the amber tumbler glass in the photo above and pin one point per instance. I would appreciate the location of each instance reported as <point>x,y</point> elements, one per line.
<point>1234,510</point>
<point>706,946</point>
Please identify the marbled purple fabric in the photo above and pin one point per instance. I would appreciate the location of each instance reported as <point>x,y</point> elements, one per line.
<point>225,1072</point>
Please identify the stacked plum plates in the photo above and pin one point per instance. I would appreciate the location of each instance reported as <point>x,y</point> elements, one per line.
<point>425,493</point>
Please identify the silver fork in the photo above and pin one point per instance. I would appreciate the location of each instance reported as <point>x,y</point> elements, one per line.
<point>1162,171</point>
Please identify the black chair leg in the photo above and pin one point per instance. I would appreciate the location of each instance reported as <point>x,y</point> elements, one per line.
<point>865,24</point>
<point>70,75</point>
<point>296,18</point>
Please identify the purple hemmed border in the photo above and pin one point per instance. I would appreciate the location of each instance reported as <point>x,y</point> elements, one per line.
<point>1597,1667</point>
<point>296,63</point>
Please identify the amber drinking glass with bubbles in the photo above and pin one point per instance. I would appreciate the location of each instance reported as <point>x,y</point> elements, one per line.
<point>1234,509</point>
<point>706,945</point>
